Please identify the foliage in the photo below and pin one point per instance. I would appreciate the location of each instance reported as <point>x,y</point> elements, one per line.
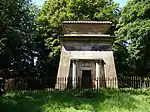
<point>53,12</point>
<point>24,40</point>
<point>114,100</point>
<point>17,37</point>
<point>133,34</point>
<point>86,93</point>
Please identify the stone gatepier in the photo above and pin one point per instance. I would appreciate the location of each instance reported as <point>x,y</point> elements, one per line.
<point>86,54</point>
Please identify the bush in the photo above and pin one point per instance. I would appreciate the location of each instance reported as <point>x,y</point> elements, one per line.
<point>85,93</point>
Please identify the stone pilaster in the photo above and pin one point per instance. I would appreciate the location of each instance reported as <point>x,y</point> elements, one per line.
<point>97,62</point>
<point>97,69</point>
<point>74,73</point>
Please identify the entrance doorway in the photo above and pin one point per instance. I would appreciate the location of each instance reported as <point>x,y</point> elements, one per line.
<point>86,79</point>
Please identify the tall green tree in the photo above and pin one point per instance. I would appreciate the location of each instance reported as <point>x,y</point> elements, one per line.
<point>134,34</point>
<point>53,12</point>
<point>17,36</point>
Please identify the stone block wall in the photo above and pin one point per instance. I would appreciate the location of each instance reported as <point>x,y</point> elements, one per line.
<point>83,52</point>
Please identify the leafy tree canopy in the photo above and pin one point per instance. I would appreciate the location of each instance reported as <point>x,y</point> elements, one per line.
<point>17,35</point>
<point>54,12</point>
<point>133,33</point>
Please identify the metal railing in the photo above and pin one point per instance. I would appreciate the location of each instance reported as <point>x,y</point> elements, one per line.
<point>61,83</point>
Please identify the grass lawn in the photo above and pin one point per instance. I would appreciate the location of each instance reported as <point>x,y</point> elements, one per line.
<point>108,100</point>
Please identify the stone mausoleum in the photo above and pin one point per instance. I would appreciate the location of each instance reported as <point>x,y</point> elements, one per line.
<point>86,55</point>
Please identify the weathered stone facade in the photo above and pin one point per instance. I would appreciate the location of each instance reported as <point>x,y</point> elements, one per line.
<point>86,53</point>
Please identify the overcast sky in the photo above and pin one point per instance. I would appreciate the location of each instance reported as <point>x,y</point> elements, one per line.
<point>40,2</point>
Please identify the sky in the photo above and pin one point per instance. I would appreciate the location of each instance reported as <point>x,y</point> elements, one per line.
<point>40,2</point>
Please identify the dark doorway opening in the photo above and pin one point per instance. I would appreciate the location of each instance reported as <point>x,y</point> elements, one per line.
<point>86,79</point>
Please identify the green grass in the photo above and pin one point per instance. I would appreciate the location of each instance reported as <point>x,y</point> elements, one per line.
<point>108,100</point>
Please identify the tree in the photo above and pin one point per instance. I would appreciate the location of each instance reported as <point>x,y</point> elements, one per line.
<point>53,12</point>
<point>134,32</point>
<point>17,36</point>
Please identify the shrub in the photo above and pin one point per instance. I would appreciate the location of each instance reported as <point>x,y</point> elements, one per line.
<point>85,93</point>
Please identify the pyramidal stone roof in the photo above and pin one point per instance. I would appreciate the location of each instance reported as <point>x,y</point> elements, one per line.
<point>87,22</point>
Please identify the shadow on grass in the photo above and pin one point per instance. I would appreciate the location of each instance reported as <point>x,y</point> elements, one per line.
<point>44,101</point>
